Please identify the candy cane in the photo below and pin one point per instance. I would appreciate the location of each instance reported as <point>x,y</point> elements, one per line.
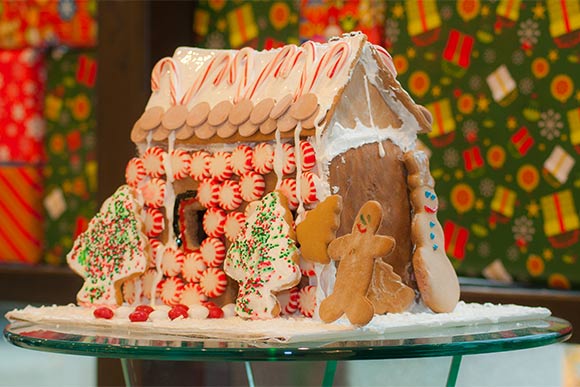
<point>387,59</point>
<point>278,61</point>
<point>243,54</point>
<point>173,77</point>
<point>216,62</point>
<point>343,51</point>
<point>290,54</point>
<point>309,51</point>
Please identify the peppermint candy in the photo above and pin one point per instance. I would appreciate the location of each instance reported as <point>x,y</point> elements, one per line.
<point>306,268</point>
<point>229,197</point>
<point>307,300</point>
<point>242,160</point>
<point>147,280</point>
<point>155,245</point>
<point>153,161</point>
<point>288,300</point>
<point>308,188</point>
<point>193,266</point>
<point>289,160</point>
<point>134,172</point>
<point>180,163</point>
<point>199,165</point>
<point>252,186</point>
<point>192,295</point>
<point>213,252</point>
<point>308,156</point>
<point>288,189</point>
<point>213,282</point>
<point>172,261</point>
<point>170,290</point>
<point>130,290</point>
<point>154,193</point>
<point>263,158</point>
<point>213,222</point>
<point>154,222</point>
<point>208,193</point>
<point>220,167</point>
<point>233,225</point>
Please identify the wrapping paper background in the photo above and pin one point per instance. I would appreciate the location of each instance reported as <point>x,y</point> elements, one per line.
<point>71,171</point>
<point>501,80</point>
<point>236,24</point>
<point>41,23</point>
<point>22,78</point>
<point>21,230</point>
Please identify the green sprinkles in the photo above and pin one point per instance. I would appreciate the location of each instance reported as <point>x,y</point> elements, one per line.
<point>256,256</point>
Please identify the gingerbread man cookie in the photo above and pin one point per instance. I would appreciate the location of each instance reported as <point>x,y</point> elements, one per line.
<point>357,253</point>
<point>434,273</point>
<point>112,250</point>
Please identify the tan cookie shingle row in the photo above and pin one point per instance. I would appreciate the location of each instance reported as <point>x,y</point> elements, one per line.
<point>227,121</point>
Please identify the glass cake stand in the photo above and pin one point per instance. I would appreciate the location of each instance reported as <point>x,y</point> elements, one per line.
<point>128,345</point>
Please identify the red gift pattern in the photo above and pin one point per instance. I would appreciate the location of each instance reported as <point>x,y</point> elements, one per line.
<point>22,79</point>
<point>41,23</point>
<point>320,20</point>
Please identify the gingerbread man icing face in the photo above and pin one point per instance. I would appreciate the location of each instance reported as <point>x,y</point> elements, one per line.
<point>357,252</point>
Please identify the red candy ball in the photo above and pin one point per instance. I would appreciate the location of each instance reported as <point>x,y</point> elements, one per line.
<point>103,312</point>
<point>178,310</point>
<point>215,312</point>
<point>145,309</point>
<point>138,316</point>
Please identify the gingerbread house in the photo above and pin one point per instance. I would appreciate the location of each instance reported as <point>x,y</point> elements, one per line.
<point>223,128</point>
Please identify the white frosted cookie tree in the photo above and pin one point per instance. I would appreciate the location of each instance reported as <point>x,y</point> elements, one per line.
<point>111,250</point>
<point>263,258</point>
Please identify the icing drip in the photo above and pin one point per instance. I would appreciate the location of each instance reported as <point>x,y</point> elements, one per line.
<point>169,191</point>
<point>372,121</point>
<point>278,159</point>
<point>158,272</point>
<point>149,139</point>
<point>298,158</point>
<point>138,291</point>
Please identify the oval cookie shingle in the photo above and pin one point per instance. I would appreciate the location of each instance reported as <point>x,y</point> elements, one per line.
<point>198,114</point>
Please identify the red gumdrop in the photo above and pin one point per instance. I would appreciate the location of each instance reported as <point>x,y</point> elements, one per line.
<point>216,312</point>
<point>178,311</point>
<point>103,312</point>
<point>145,309</point>
<point>209,304</point>
<point>138,316</point>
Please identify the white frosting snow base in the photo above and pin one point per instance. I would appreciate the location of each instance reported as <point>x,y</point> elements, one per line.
<point>282,329</point>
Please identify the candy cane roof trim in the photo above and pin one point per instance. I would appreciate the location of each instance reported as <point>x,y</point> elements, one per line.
<point>207,96</point>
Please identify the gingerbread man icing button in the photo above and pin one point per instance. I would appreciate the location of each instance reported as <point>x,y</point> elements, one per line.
<point>357,253</point>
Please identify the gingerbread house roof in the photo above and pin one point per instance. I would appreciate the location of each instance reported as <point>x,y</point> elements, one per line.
<point>202,96</point>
